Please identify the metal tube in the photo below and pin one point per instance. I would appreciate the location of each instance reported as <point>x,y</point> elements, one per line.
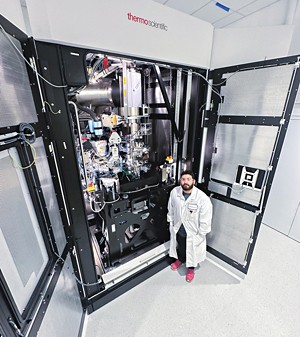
<point>187,114</point>
<point>177,109</point>
<point>205,129</point>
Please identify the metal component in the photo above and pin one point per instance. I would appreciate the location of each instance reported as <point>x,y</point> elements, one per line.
<point>125,93</point>
<point>205,129</point>
<point>167,102</point>
<point>49,195</point>
<point>177,110</point>
<point>246,145</point>
<point>21,267</point>
<point>187,113</point>
<point>64,313</point>
<point>257,92</point>
<point>15,328</point>
<point>17,103</point>
<point>232,228</point>
<point>107,71</point>
<point>102,93</point>
<point>80,140</point>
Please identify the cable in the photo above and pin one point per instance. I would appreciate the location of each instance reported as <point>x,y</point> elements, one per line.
<point>50,107</point>
<point>193,72</point>
<point>226,79</point>
<point>17,49</point>
<point>15,162</point>
<point>59,258</point>
<point>141,189</point>
<point>87,284</point>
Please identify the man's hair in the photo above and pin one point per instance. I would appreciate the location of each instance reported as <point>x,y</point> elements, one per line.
<point>190,172</point>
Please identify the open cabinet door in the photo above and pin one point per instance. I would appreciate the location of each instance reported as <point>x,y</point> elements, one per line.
<point>247,121</point>
<point>35,264</point>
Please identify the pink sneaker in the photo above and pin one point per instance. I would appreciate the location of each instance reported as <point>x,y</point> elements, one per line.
<point>190,275</point>
<point>175,265</point>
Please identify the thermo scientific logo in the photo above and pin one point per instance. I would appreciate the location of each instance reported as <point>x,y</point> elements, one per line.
<point>146,22</point>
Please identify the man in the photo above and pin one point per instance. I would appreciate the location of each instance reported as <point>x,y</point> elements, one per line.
<point>189,215</point>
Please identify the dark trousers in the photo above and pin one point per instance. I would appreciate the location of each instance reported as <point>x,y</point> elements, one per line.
<point>181,248</point>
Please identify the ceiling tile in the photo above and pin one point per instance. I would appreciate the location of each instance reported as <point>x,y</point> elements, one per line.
<point>227,20</point>
<point>160,1</point>
<point>187,6</point>
<point>236,4</point>
<point>211,13</point>
<point>257,5</point>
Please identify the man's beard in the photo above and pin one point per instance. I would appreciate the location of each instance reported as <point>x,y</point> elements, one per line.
<point>187,187</point>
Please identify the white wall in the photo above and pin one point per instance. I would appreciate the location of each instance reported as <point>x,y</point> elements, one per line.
<point>256,38</point>
<point>283,207</point>
<point>233,46</point>
<point>279,13</point>
<point>104,25</point>
<point>12,11</point>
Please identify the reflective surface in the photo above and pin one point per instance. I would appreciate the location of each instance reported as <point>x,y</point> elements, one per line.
<point>22,249</point>
<point>15,94</point>
<point>245,145</point>
<point>258,92</point>
<point>231,230</point>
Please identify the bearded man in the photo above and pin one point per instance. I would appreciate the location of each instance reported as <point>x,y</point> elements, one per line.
<point>189,216</point>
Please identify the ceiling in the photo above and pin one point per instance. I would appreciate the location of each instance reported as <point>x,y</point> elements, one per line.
<point>221,13</point>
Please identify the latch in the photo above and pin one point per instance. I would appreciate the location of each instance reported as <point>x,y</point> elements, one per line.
<point>15,328</point>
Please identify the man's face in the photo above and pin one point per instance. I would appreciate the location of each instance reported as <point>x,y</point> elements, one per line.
<point>187,182</point>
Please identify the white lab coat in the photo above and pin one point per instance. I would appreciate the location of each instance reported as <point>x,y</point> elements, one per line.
<point>195,214</point>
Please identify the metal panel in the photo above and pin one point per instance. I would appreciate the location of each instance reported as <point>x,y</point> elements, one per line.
<point>49,194</point>
<point>232,229</point>
<point>217,188</point>
<point>258,92</point>
<point>64,313</point>
<point>15,94</point>
<point>22,249</point>
<point>245,145</point>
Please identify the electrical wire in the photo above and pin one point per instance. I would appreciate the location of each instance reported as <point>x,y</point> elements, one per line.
<point>141,189</point>
<point>193,72</point>
<point>15,162</point>
<point>50,108</point>
<point>29,64</point>
<point>59,258</point>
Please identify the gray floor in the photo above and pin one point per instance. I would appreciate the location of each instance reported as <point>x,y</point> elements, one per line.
<point>265,304</point>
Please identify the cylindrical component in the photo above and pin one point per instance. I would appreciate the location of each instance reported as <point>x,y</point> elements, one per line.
<point>205,130</point>
<point>104,92</point>
<point>91,126</point>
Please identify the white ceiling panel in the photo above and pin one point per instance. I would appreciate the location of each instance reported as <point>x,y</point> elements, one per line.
<point>227,20</point>
<point>257,5</point>
<point>187,6</point>
<point>160,1</point>
<point>207,10</point>
<point>210,13</point>
<point>236,4</point>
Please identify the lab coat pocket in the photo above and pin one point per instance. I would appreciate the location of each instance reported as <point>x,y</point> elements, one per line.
<point>199,239</point>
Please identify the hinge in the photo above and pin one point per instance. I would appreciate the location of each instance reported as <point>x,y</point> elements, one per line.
<point>282,121</point>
